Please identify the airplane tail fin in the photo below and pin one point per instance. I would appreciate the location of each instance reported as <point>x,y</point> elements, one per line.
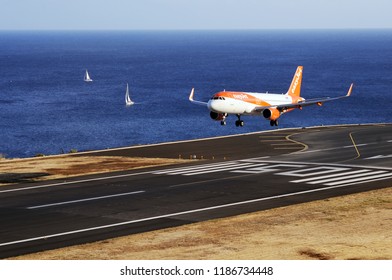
<point>295,87</point>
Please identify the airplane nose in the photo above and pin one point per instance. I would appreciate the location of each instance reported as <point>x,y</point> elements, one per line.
<point>212,105</point>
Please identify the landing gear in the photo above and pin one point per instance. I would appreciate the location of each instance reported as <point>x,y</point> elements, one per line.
<point>274,123</point>
<point>223,122</point>
<point>239,122</point>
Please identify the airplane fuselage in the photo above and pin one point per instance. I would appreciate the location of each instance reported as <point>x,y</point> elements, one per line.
<point>244,103</point>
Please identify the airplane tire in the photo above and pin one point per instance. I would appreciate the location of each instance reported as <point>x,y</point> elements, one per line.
<point>223,122</point>
<point>237,123</point>
<point>241,123</point>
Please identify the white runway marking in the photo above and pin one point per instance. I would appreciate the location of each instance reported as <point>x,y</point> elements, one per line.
<point>344,177</point>
<point>332,176</point>
<point>269,168</point>
<point>329,176</point>
<point>379,157</point>
<point>75,182</point>
<point>303,172</point>
<point>181,170</point>
<point>83,200</point>
<point>237,166</point>
<point>310,173</point>
<point>384,176</point>
<point>387,176</point>
<point>166,216</point>
<point>336,177</point>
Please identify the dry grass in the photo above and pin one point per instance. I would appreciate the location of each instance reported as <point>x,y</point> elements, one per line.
<point>34,169</point>
<point>349,227</point>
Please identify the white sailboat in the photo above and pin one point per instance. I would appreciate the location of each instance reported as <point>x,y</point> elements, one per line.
<point>128,100</point>
<point>87,77</point>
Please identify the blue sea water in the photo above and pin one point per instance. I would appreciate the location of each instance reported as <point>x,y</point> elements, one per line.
<point>45,107</point>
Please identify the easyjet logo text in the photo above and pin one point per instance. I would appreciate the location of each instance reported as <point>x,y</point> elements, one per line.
<point>240,96</point>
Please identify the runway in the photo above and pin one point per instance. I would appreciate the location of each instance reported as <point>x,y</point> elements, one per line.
<point>231,176</point>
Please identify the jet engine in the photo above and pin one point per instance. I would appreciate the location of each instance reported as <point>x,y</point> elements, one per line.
<point>217,116</point>
<point>271,114</point>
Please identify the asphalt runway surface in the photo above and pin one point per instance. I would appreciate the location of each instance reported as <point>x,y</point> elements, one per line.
<point>238,174</point>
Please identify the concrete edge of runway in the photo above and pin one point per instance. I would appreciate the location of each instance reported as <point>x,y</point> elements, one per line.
<point>195,140</point>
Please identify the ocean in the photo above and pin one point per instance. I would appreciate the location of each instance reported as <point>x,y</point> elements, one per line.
<point>46,107</point>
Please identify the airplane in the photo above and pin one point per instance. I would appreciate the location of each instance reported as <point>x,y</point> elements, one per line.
<point>271,106</point>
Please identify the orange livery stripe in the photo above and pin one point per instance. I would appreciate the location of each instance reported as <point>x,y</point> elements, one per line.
<point>242,96</point>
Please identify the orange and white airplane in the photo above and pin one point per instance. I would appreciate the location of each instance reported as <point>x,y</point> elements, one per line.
<point>270,106</point>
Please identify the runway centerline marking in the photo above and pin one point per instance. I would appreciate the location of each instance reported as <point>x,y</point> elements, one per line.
<point>83,200</point>
<point>76,182</point>
<point>167,216</point>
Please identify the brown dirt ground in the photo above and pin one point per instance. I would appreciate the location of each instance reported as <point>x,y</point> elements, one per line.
<point>355,226</point>
<point>54,167</point>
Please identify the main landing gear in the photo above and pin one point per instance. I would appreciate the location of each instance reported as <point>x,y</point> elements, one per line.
<point>239,122</point>
<point>274,123</point>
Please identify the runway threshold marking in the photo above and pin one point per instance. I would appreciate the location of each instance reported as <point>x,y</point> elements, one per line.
<point>45,237</point>
<point>340,177</point>
<point>329,176</point>
<point>83,200</point>
<point>251,166</point>
<point>309,173</point>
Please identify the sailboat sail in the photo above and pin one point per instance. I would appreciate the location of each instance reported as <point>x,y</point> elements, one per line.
<point>87,77</point>
<point>128,100</point>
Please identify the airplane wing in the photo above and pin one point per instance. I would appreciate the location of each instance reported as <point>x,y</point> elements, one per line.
<point>307,102</point>
<point>195,101</point>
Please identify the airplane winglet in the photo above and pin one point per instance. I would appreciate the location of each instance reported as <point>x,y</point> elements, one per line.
<point>350,90</point>
<point>195,101</point>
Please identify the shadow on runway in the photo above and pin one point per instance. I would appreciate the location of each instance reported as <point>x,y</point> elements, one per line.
<point>8,178</point>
